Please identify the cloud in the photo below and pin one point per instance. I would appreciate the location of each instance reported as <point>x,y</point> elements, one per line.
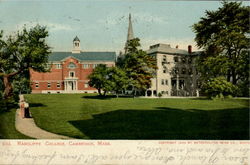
<point>115,19</point>
<point>145,17</point>
<point>50,25</point>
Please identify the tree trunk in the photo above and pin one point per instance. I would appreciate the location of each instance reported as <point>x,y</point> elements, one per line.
<point>234,81</point>
<point>99,91</point>
<point>228,75</point>
<point>8,90</point>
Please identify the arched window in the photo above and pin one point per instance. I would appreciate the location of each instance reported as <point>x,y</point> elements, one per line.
<point>71,65</point>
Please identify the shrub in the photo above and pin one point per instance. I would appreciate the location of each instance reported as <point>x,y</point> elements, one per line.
<point>219,87</point>
<point>159,95</point>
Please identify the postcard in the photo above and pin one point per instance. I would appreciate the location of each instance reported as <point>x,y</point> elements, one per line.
<point>124,82</point>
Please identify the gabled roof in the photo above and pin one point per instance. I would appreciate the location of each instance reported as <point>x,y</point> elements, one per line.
<point>83,56</point>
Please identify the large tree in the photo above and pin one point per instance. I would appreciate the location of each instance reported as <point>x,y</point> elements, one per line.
<point>139,66</point>
<point>26,49</point>
<point>224,36</point>
<point>99,79</point>
<point>118,80</point>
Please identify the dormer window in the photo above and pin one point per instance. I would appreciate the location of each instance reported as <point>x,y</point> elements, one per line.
<point>72,65</point>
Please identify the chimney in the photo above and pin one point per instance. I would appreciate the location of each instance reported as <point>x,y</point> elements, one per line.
<point>189,49</point>
<point>177,46</point>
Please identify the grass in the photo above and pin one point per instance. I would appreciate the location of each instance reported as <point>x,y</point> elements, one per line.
<point>87,116</point>
<point>7,125</point>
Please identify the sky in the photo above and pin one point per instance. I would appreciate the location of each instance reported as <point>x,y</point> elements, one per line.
<point>101,25</point>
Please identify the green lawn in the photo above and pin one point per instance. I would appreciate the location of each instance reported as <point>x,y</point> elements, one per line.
<point>7,125</point>
<point>90,117</point>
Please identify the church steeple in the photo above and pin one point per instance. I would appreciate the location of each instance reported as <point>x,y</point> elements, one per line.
<point>76,45</point>
<point>130,35</point>
<point>130,29</point>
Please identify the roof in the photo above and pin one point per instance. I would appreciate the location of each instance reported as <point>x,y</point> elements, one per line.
<point>165,48</point>
<point>76,39</point>
<point>84,56</point>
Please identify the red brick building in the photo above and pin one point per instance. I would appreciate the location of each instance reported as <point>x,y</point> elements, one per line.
<point>69,71</point>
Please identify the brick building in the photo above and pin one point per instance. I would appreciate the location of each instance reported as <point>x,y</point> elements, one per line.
<point>69,71</point>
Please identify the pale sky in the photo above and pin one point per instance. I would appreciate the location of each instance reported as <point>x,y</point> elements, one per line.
<point>101,25</point>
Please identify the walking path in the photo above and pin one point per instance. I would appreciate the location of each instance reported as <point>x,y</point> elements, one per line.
<point>28,127</point>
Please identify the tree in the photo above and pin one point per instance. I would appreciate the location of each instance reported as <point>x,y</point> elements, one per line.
<point>219,87</point>
<point>224,36</point>
<point>21,52</point>
<point>139,66</point>
<point>21,84</point>
<point>118,80</point>
<point>99,79</point>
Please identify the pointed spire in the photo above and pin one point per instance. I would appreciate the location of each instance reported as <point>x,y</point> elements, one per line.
<point>130,29</point>
<point>130,33</point>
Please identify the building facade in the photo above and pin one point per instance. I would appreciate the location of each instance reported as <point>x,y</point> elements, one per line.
<point>176,74</point>
<point>69,71</point>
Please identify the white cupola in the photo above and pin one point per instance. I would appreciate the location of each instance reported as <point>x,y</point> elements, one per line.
<point>76,45</point>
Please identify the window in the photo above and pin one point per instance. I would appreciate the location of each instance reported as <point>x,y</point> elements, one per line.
<point>48,66</point>
<point>176,59</point>
<point>58,66</point>
<point>49,84</point>
<point>71,74</point>
<point>173,83</point>
<point>164,58</point>
<point>86,85</point>
<point>58,85</point>
<point>85,66</point>
<point>164,69</point>
<point>162,81</point>
<point>166,82</point>
<point>95,65</point>
<point>189,60</point>
<point>176,70</point>
<point>37,85</point>
<point>190,72</point>
<point>183,60</point>
<point>72,65</point>
<point>183,71</point>
<point>181,84</point>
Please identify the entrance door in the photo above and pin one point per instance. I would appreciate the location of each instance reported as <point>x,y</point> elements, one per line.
<point>71,85</point>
